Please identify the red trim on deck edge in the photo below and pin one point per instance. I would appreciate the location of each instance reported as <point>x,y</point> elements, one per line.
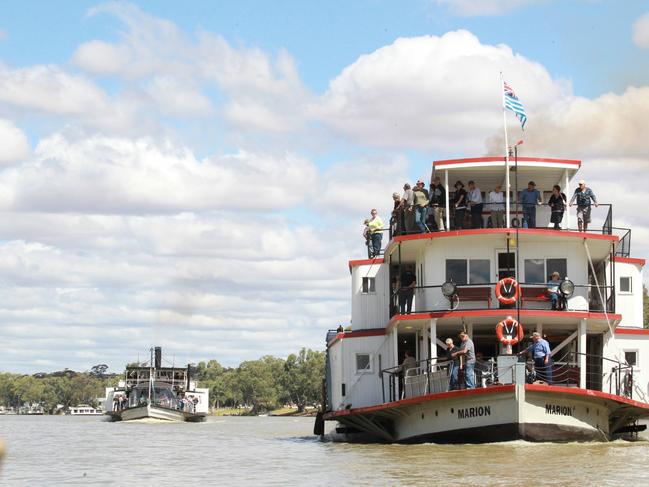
<point>449,162</point>
<point>630,260</point>
<point>419,399</point>
<point>632,331</point>
<point>487,390</point>
<point>354,263</point>
<point>585,392</point>
<point>511,231</point>
<point>357,334</point>
<point>498,313</point>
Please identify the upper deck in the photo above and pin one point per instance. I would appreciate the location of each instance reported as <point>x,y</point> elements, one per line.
<point>475,254</point>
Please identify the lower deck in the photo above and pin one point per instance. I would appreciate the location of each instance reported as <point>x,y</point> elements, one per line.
<point>531,412</point>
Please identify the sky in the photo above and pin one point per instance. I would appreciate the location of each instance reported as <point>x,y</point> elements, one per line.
<point>195,176</point>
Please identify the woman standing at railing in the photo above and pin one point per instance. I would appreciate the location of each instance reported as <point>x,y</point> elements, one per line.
<point>454,364</point>
<point>557,205</point>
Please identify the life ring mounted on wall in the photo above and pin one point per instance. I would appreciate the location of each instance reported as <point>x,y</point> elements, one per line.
<point>509,331</point>
<point>507,290</point>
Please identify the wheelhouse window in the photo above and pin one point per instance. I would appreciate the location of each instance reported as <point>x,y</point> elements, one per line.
<point>535,270</point>
<point>369,285</point>
<point>631,357</point>
<point>468,271</point>
<point>363,363</point>
<point>625,285</point>
<point>538,271</point>
<point>456,271</point>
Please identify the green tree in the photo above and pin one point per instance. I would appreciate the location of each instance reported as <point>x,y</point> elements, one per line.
<point>258,383</point>
<point>302,377</point>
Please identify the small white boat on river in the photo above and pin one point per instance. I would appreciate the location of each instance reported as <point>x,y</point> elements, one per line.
<point>151,391</point>
<point>389,379</point>
<point>83,410</point>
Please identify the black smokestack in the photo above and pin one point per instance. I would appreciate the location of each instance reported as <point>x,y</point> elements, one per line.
<point>158,357</point>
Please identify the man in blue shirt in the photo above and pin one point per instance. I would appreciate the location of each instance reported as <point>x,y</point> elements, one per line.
<point>540,350</point>
<point>529,198</point>
<point>583,195</point>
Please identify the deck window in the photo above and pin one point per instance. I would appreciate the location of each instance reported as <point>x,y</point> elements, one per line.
<point>537,271</point>
<point>471,271</point>
<point>631,357</point>
<point>363,363</point>
<point>369,285</point>
<point>456,270</point>
<point>625,285</point>
<point>558,265</point>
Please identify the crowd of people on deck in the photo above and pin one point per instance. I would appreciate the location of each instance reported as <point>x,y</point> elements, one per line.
<point>422,210</point>
<point>462,359</point>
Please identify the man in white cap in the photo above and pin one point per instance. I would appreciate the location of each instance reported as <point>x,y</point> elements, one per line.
<point>583,195</point>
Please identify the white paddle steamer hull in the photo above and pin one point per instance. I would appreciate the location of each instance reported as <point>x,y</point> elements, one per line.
<point>499,413</point>
<point>155,413</point>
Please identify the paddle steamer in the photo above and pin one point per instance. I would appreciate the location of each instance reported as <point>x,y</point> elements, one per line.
<point>151,391</point>
<point>600,350</point>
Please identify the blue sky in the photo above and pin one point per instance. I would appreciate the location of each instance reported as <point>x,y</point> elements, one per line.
<point>196,174</point>
<point>588,41</point>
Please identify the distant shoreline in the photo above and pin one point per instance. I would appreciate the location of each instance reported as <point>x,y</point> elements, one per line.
<point>282,412</point>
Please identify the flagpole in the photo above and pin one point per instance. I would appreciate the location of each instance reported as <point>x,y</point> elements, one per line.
<point>507,189</point>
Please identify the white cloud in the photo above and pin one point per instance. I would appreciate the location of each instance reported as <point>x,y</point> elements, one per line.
<point>432,92</point>
<point>610,125</point>
<point>178,97</point>
<point>470,8</point>
<point>262,93</point>
<point>355,187</point>
<point>641,31</point>
<point>13,142</point>
<point>118,175</point>
<point>101,58</point>
<point>52,91</point>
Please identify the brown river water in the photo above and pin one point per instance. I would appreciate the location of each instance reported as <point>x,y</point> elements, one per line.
<point>51,450</point>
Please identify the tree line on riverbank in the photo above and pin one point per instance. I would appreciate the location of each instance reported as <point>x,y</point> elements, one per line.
<point>259,385</point>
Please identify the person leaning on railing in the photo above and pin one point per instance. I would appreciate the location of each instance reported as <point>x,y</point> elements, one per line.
<point>529,198</point>
<point>406,286</point>
<point>583,195</point>
<point>409,363</point>
<point>542,355</point>
<point>467,348</point>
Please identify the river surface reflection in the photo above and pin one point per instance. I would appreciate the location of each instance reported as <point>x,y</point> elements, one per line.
<point>68,450</point>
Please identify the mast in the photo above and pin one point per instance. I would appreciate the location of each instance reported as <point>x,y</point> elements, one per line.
<point>507,204</point>
<point>151,370</point>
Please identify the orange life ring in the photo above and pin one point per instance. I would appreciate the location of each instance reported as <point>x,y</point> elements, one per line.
<point>509,326</point>
<point>510,284</point>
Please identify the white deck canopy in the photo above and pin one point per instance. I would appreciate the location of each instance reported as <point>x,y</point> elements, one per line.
<point>488,172</point>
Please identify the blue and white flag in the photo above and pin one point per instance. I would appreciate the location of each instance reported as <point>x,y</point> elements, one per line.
<point>512,103</point>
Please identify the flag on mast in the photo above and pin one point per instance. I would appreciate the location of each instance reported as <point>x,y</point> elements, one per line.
<point>513,103</point>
